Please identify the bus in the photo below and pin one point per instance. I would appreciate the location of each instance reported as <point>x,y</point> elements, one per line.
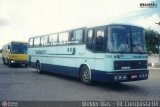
<point>15,52</point>
<point>107,53</point>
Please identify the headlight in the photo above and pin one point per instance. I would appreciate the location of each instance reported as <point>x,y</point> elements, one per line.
<point>12,61</point>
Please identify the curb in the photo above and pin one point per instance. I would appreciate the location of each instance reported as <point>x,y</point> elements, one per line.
<point>154,68</point>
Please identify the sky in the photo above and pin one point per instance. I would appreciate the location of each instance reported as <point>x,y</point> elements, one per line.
<point>21,19</point>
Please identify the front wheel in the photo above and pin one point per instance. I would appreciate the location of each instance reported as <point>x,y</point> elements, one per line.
<point>4,62</point>
<point>9,63</point>
<point>85,75</point>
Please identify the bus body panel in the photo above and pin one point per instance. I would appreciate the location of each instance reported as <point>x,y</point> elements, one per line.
<point>9,56</point>
<point>106,66</point>
<point>18,57</point>
<point>102,65</point>
<point>65,62</point>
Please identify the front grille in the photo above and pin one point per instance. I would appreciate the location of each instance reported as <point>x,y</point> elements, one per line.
<point>126,65</point>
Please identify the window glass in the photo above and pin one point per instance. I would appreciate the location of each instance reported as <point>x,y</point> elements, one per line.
<point>90,36</point>
<point>126,39</point>
<point>78,36</point>
<point>138,40</point>
<point>37,41</point>
<point>99,40</point>
<point>63,37</point>
<point>119,39</point>
<point>90,40</point>
<point>31,42</point>
<point>19,48</point>
<point>53,39</point>
<point>44,40</point>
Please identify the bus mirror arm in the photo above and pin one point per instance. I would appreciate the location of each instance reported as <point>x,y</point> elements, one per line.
<point>9,47</point>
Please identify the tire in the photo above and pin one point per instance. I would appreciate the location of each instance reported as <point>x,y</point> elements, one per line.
<point>3,61</point>
<point>85,75</point>
<point>38,67</point>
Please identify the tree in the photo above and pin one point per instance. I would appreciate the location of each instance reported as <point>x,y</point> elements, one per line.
<point>152,41</point>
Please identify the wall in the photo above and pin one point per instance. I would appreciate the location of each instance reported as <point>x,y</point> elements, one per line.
<point>154,60</point>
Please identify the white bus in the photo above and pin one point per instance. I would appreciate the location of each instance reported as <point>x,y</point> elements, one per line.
<point>108,53</point>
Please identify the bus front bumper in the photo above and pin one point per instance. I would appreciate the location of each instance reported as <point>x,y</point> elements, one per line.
<point>120,76</point>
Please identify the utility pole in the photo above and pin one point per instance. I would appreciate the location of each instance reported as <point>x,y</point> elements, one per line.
<point>158,23</point>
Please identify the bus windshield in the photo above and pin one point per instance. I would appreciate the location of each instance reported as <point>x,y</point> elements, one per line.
<point>123,38</point>
<point>19,48</point>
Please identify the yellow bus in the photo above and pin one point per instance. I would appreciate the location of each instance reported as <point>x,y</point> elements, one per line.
<point>15,53</point>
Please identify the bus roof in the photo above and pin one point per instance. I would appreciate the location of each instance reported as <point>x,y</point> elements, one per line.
<point>17,42</point>
<point>127,24</point>
<point>89,26</point>
<point>14,42</point>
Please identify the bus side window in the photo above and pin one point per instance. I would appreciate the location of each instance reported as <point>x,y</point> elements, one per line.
<point>99,40</point>
<point>78,36</point>
<point>53,39</point>
<point>31,42</point>
<point>63,37</point>
<point>90,39</point>
<point>37,41</point>
<point>44,40</point>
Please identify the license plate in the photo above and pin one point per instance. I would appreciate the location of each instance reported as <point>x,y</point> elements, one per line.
<point>133,76</point>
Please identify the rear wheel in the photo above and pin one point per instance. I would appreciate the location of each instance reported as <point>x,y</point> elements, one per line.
<point>25,65</point>
<point>38,67</point>
<point>85,75</point>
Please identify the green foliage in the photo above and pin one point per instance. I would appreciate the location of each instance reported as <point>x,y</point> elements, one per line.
<point>152,41</point>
